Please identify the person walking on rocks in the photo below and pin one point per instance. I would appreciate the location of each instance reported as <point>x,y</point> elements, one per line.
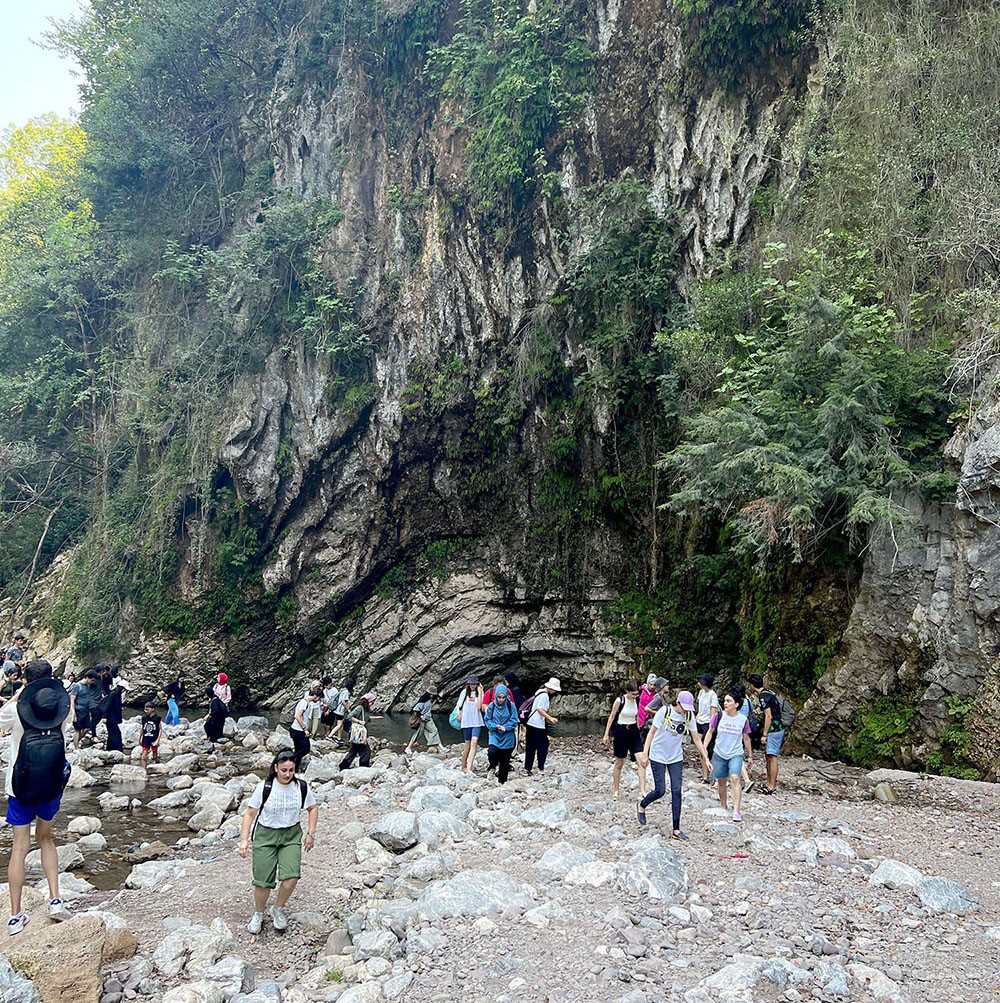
<point>708,704</point>
<point>331,698</point>
<point>175,693</point>
<point>36,776</point>
<point>470,712</point>
<point>276,807</point>
<point>300,725</point>
<point>222,690</point>
<point>113,716</point>
<point>501,722</point>
<point>646,693</point>
<point>623,726</point>
<point>772,730</point>
<point>81,693</point>
<point>150,733</point>
<point>664,752</point>
<point>732,748</point>
<point>536,741</point>
<point>426,729</point>
<point>356,726</point>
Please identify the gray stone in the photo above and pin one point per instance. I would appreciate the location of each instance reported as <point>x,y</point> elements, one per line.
<point>126,773</point>
<point>94,842</point>
<point>14,987</point>
<point>893,874</point>
<point>550,815</point>
<point>474,893</point>
<point>172,801</point>
<point>339,942</point>
<point>207,819</point>
<point>942,895</point>
<point>562,856</point>
<point>234,974</point>
<point>438,798</point>
<point>425,941</point>
<point>376,944</point>
<point>193,948</point>
<point>194,992</point>
<point>84,825</point>
<point>434,827</point>
<point>396,831</point>
<point>654,872</point>
<point>69,857</point>
<point>395,988</point>
<point>253,722</point>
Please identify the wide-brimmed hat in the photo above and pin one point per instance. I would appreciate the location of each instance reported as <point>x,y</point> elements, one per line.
<point>43,703</point>
<point>686,699</point>
<point>706,679</point>
<point>553,684</point>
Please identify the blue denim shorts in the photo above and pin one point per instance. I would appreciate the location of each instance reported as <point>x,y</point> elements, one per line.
<point>772,744</point>
<point>722,768</point>
<point>470,733</point>
<point>24,814</point>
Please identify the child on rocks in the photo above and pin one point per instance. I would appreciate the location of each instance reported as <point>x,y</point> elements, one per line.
<point>150,731</point>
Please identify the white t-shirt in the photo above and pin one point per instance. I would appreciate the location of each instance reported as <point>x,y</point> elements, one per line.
<point>472,716</point>
<point>729,732</point>
<point>284,807</point>
<point>708,700</point>
<point>541,703</point>
<point>302,707</point>
<point>629,713</point>
<point>667,746</point>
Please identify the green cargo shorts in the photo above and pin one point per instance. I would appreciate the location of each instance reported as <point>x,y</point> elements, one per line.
<point>276,853</point>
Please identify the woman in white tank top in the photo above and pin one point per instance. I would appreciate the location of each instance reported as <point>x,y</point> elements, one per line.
<point>623,725</point>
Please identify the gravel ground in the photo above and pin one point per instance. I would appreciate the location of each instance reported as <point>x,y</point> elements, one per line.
<point>760,888</point>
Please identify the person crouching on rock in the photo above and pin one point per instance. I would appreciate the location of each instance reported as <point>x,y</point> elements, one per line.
<point>37,772</point>
<point>501,722</point>
<point>276,807</point>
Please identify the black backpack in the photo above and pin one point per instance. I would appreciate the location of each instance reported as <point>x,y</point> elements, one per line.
<point>268,785</point>
<point>41,771</point>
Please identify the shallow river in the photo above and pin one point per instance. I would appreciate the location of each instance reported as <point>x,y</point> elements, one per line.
<point>108,868</point>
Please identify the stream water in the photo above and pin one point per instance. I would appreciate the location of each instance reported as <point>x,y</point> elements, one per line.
<point>108,868</point>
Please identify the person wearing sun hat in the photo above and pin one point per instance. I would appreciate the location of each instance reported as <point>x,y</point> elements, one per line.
<point>664,752</point>
<point>536,741</point>
<point>34,786</point>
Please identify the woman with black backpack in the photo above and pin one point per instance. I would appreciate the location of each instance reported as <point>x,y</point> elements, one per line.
<point>623,724</point>
<point>276,807</point>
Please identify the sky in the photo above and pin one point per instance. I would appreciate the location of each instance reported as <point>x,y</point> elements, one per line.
<point>33,81</point>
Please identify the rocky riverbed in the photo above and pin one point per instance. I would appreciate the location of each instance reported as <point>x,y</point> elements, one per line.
<point>429,885</point>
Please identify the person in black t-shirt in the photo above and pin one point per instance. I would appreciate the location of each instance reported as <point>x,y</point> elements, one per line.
<point>150,730</point>
<point>772,731</point>
<point>175,693</point>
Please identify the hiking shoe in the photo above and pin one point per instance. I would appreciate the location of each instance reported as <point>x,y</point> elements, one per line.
<point>57,911</point>
<point>767,790</point>
<point>256,923</point>
<point>278,918</point>
<point>737,817</point>
<point>750,786</point>
<point>640,813</point>
<point>681,835</point>
<point>17,923</point>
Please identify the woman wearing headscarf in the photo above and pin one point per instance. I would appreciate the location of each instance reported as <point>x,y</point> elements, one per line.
<point>501,722</point>
<point>276,805</point>
<point>222,691</point>
<point>215,719</point>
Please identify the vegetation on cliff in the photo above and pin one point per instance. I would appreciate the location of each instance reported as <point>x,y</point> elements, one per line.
<point>743,428</point>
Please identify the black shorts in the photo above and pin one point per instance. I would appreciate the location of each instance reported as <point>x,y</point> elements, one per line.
<point>627,740</point>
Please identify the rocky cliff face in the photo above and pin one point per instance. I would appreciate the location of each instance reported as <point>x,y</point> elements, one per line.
<point>351,495</point>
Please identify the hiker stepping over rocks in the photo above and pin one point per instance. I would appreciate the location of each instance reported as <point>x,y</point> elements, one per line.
<point>732,747</point>
<point>779,716</point>
<point>535,714</point>
<point>623,725</point>
<point>36,777</point>
<point>272,826</point>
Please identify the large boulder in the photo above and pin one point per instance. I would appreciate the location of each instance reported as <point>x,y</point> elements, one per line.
<point>220,795</point>
<point>177,765</point>
<point>15,988</point>
<point>126,773</point>
<point>69,857</point>
<point>434,827</point>
<point>64,960</point>
<point>560,857</point>
<point>549,815</point>
<point>84,825</point>
<point>653,872</point>
<point>474,893</point>
<point>438,798</point>
<point>80,778</point>
<point>253,722</point>
<point>193,949</point>
<point>207,819</point>
<point>153,873</point>
<point>233,973</point>
<point>942,895</point>
<point>396,831</point>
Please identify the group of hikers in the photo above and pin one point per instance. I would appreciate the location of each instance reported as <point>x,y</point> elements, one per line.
<point>647,723</point>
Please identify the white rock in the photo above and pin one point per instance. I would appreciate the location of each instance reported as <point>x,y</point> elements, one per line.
<point>68,853</point>
<point>125,773</point>
<point>594,873</point>
<point>194,992</point>
<point>84,825</point>
<point>70,887</point>
<point>80,778</point>
<point>113,802</point>
<point>367,851</point>
<point>367,992</point>
<point>206,819</point>
<point>895,875</point>
<point>233,973</point>
<point>92,843</point>
<point>878,985</point>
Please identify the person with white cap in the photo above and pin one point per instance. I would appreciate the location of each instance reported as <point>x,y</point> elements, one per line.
<point>536,741</point>
<point>664,751</point>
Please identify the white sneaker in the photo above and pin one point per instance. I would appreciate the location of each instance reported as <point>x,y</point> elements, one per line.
<point>256,923</point>
<point>57,911</point>
<point>278,918</point>
<point>17,923</point>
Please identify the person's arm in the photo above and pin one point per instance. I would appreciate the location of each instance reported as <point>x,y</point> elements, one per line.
<point>607,728</point>
<point>159,732</point>
<point>767,722</point>
<point>8,713</point>
<point>712,725</point>
<point>248,819</point>
<point>299,719</point>
<point>701,744</point>
<point>312,819</point>
<point>643,758</point>
<point>747,749</point>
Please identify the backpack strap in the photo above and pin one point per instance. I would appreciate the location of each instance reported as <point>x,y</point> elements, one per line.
<point>303,789</point>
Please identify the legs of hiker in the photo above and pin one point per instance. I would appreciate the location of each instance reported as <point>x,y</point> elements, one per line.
<point>15,868</point>
<point>659,784</point>
<point>675,770</point>
<point>469,750</point>
<point>617,778</point>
